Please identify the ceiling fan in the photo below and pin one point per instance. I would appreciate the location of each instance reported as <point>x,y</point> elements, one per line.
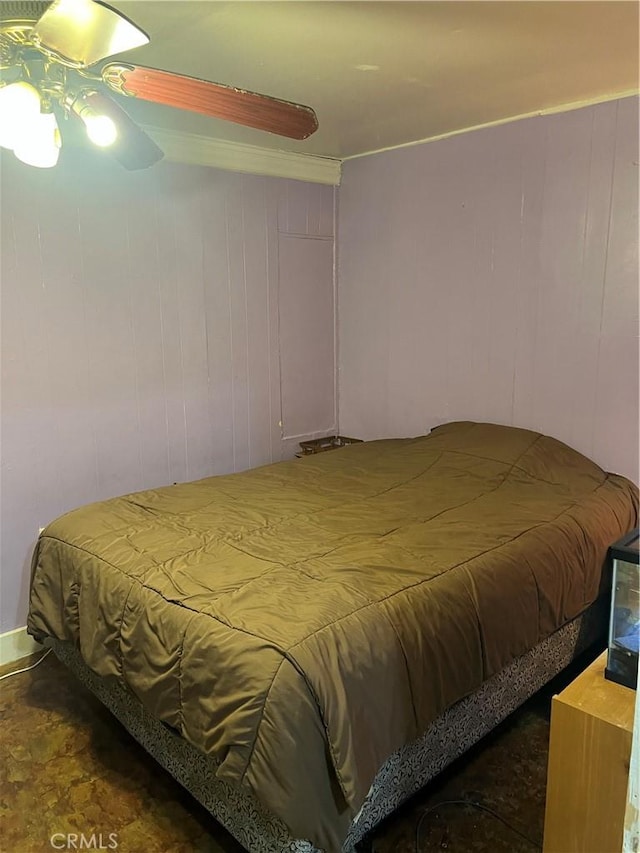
<point>52,61</point>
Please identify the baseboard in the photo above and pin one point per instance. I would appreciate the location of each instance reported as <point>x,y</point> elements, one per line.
<point>17,644</point>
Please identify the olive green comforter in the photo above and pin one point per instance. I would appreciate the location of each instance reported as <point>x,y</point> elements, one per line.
<point>301,621</point>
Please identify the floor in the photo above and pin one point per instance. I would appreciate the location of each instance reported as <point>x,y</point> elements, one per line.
<point>69,771</point>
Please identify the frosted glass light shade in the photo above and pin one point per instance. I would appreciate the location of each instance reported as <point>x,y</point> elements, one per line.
<point>19,106</point>
<point>40,143</point>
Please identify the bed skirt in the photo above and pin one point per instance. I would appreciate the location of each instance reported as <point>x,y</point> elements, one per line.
<point>402,775</point>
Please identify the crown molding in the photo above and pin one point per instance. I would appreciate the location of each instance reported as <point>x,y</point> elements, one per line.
<point>199,150</point>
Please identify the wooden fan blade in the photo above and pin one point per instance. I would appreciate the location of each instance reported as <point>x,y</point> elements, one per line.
<point>133,148</point>
<point>212,99</point>
<point>82,32</point>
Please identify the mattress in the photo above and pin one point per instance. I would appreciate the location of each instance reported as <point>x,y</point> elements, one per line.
<point>303,621</point>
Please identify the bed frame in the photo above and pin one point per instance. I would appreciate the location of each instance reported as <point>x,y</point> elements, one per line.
<point>402,775</point>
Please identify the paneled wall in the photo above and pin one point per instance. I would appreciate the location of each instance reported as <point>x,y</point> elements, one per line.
<point>141,326</point>
<point>494,276</point>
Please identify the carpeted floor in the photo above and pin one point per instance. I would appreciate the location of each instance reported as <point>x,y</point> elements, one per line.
<point>67,766</point>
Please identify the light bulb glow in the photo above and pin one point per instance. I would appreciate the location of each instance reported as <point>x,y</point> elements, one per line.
<point>101,130</point>
<point>19,107</point>
<point>39,144</point>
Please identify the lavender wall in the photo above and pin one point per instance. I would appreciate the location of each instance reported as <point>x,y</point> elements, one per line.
<point>494,276</point>
<point>141,334</point>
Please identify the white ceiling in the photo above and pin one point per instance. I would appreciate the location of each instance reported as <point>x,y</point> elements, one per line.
<point>383,74</point>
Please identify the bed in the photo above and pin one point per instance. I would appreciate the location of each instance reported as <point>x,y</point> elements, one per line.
<point>305,644</point>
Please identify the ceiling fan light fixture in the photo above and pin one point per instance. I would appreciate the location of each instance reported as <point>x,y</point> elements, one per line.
<point>19,108</point>
<point>40,143</point>
<point>101,128</point>
<point>58,53</point>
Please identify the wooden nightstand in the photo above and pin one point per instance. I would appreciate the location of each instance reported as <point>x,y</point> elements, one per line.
<point>589,754</point>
